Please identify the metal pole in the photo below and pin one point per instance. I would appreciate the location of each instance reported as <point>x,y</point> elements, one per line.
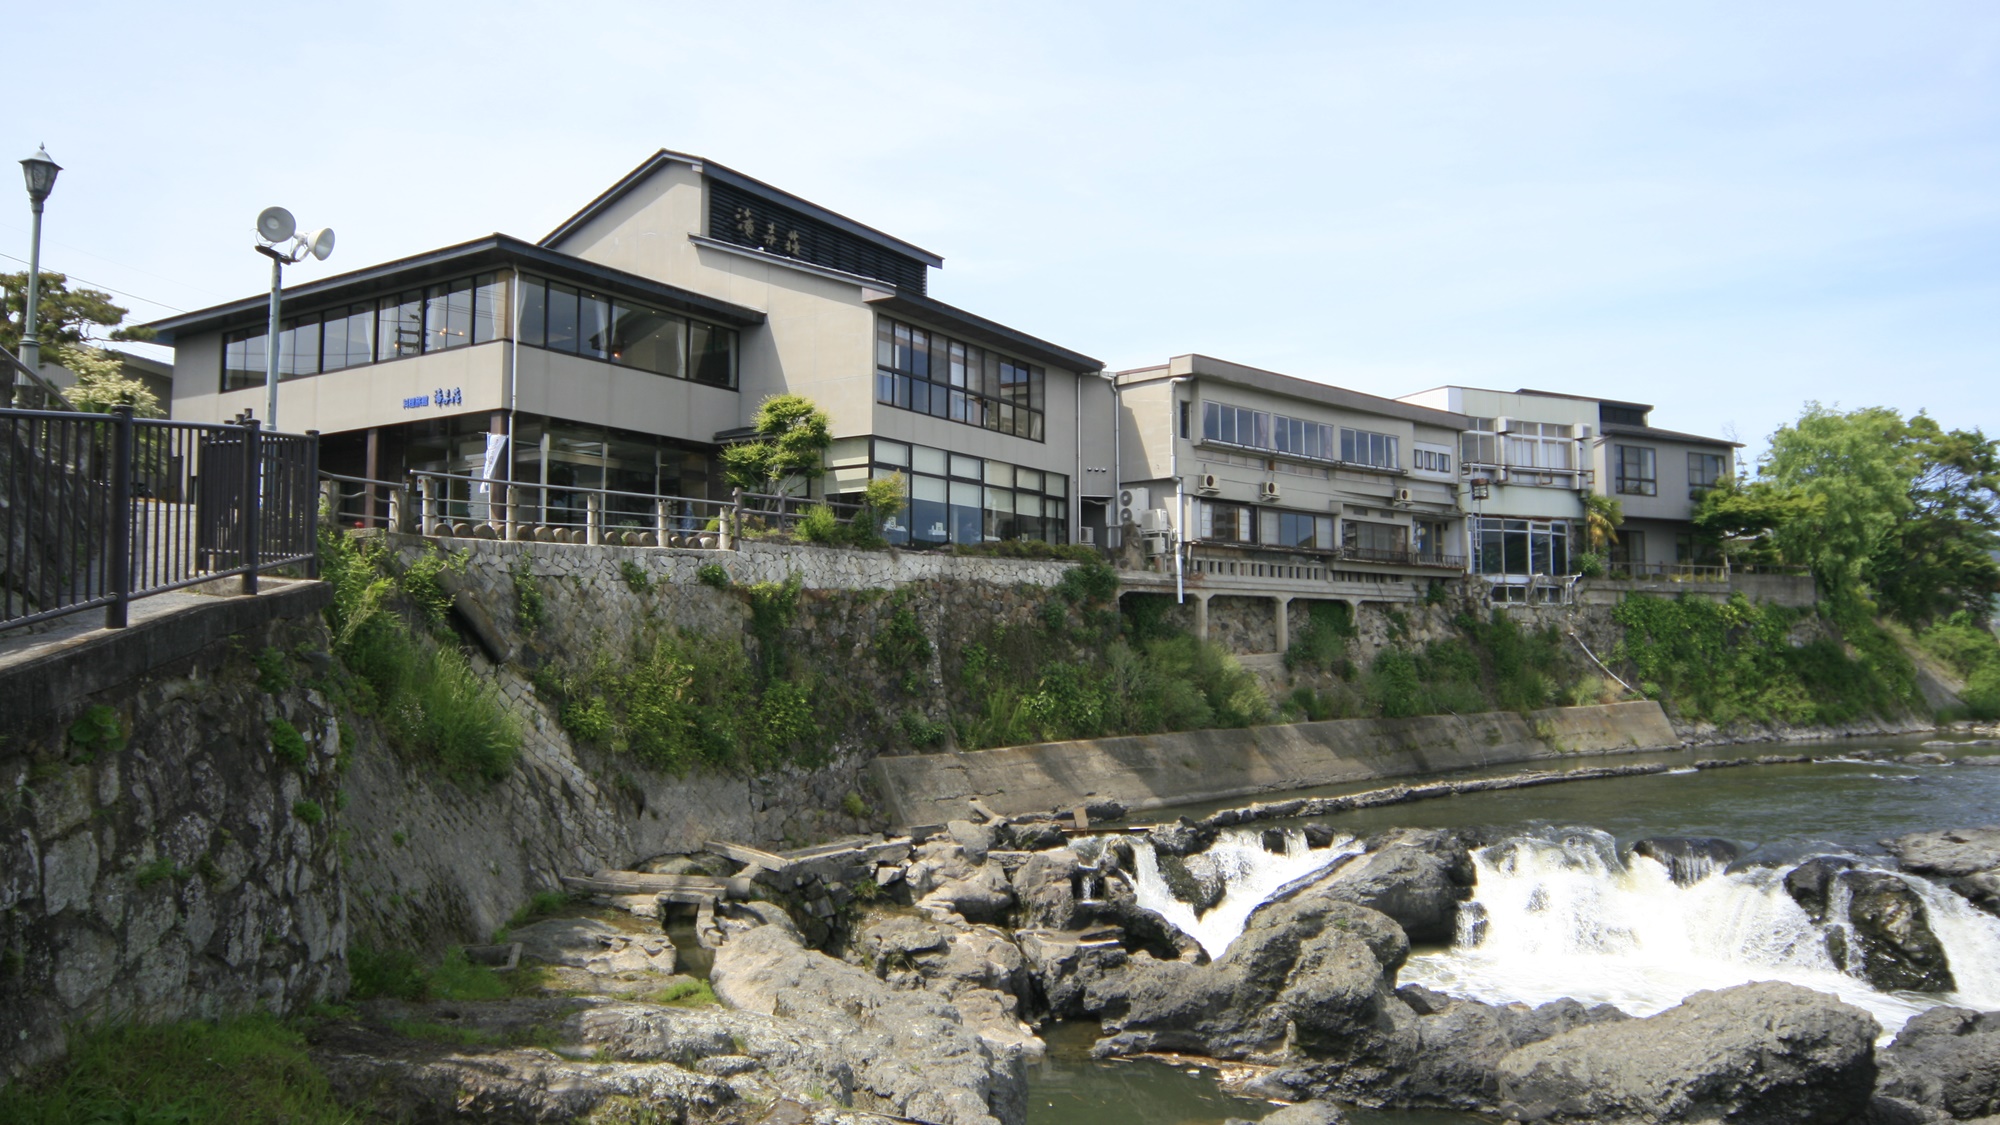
<point>120,562</point>
<point>253,500</point>
<point>31,345</point>
<point>271,343</point>
<point>310,522</point>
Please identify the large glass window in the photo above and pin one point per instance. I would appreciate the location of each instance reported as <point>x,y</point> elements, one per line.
<point>1226,523</point>
<point>1296,529</point>
<point>1505,548</point>
<point>929,373</point>
<point>1539,445</point>
<point>1365,447</point>
<point>451,314</point>
<point>1479,445</point>
<point>1637,473</point>
<point>1705,471</point>
<point>1361,539</point>
<point>713,352</point>
<point>1257,429</point>
<point>648,340</point>
<point>954,498</point>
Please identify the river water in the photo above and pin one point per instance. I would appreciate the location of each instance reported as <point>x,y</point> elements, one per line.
<point>1567,912</point>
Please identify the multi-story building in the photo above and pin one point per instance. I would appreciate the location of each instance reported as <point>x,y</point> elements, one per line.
<point>1528,458</point>
<point>1250,479</point>
<point>625,347</point>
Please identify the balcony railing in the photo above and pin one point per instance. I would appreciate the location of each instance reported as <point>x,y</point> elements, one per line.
<point>1665,572</point>
<point>1386,555</point>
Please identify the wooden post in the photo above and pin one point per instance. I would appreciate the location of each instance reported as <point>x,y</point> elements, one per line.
<point>399,510</point>
<point>373,471</point>
<point>594,519</point>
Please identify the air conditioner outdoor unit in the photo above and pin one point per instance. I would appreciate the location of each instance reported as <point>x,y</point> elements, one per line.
<point>1503,424</point>
<point>1209,484</point>
<point>1402,496</point>
<point>1154,521</point>
<point>1131,503</point>
<point>1087,536</point>
<point>1585,431</point>
<point>1270,490</point>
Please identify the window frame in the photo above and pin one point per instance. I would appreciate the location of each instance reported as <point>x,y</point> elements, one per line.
<point>1645,481</point>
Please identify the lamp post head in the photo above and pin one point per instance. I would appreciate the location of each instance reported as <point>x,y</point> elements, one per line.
<point>40,172</point>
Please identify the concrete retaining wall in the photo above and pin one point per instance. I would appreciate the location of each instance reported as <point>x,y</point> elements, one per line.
<point>1154,771</point>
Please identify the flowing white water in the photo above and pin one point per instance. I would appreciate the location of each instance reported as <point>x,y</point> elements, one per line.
<point>1250,873</point>
<point>1563,915</point>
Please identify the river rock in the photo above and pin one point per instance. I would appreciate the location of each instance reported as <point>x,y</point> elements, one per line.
<point>1037,836</point>
<point>1302,1113</point>
<point>1310,971</point>
<point>594,946</point>
<point>1766,1052</point>
<point>1183,838</point>
<point>976,839</point>
<point>1892,934</point>
<point>1946,1059</point>
<point>1810,884</point>
<point>1201,889</point>
<point>1417,877</point>
<point>1144,930</point>
<point>1045,890</point>
<point>911,1053</point>
<point>1689,859</point>
<point>1957,851</point>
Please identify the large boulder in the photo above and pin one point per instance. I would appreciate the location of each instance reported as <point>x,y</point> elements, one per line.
<point>1303,1113</point>
<point>594,946</point>
<point>1946,1059</point>
<point>1417,877</point>
<point>1688,859</point>
<point>1199,886</point>
<point>1310,972</point>
<point>1045,890</point>
<point>1444,1051</point>
<point>911,1053</point>
<point>1968,859</point>
<point>1767,1052</point>
<point>1810,884</point>
<point>1892,933</point>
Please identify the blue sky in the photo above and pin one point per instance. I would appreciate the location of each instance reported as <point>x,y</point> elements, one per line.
<point>1722,209</point>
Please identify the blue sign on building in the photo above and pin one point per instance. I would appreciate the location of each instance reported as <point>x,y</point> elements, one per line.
<point>439,397</point>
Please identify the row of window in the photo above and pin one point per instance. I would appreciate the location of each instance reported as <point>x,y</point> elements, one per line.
<point>1258,429</point>
<point>1219,522</point>
<point>451,314</point>
<point>933,374</point>
<point>954,498</point>
<point>564,318</point>
<point>1520,548</point>
<point>1636,471</point>
<point>1531,445</point>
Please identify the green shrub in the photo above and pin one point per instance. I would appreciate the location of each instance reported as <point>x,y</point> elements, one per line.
<point>1736,662</point>
<point>1589,564</point>
<point>853,805</point>
<point>98,728</point>
<point>1322,642</point>
<point>1090,580</point>
<point>529,607</point>
<point>434,702</point>
<point>900,643</point>
<point>161,868</point>
<point>588,718</point>
<point>713,575</point>
<point>274,673</point>
<point>635,576</point>
<point>308,811</point>
<point>422,581</point>
<point>921,730</point>
<point>1982,692</point>
<point>689,993</point>
<point>819,525</point>
<point>1393,684</point>
<point>247,1068</point>
<point>288,744</point>
<point>542,905</point>
<point>1961,644</point>
<point>395,973</point>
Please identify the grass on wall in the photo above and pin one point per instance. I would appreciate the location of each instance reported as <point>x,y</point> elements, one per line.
<point>421,688</point>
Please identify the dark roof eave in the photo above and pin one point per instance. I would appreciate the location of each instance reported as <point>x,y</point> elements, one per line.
<point>742,182</point>
<point>982,331</point>
<point>1668,435</point>
<point>492,250</point>
<point>1291,386</point>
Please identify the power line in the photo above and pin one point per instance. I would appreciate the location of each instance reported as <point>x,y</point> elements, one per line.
<point>106,288</point>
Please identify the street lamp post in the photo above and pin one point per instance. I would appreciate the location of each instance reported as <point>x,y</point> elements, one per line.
<point>40,173</point>
<point>276,225</point>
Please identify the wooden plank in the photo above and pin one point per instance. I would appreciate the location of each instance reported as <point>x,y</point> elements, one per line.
<point>752,856</point>
<point>638,882</point>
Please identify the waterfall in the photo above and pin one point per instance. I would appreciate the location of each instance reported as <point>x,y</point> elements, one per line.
<point>1251,875</point>
<point>1563,915</point>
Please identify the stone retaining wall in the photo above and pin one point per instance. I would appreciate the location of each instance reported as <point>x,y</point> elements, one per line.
<point>155,861</point>
<point>1156,771</point>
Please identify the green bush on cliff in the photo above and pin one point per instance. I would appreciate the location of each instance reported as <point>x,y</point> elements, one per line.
<point>1738,662</point>
<point>1972,653</point>
<point>427,694</point>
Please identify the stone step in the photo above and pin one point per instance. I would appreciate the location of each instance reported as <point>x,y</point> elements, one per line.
<point>640,882</point>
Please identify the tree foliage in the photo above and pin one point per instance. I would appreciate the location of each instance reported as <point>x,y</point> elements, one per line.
<point>1601,517</point>
<point>1899,514</point>
<point>790,447</point>
<point>67,318</point>
<point>101,383</point>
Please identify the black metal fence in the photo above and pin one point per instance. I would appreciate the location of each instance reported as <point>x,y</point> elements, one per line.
<point>99,509</point>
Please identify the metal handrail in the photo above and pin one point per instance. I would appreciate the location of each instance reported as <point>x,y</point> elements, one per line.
<point>48,389</point>
<point>103,509</point>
